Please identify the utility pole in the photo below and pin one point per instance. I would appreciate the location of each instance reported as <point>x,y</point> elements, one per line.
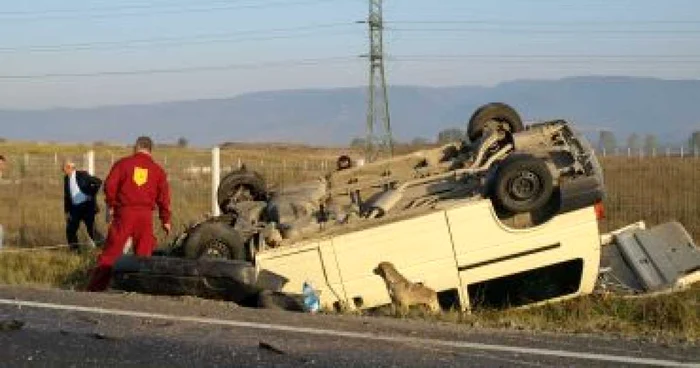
<point>378,98</point>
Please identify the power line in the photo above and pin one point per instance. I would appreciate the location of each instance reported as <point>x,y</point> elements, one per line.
<point>169,44</point>
<point>522,59</point>
<point>537,23</point>
<point>177,41</point>
<point>275,4</point>
<point>554,56</point>
<point>112,8</point>
<point>555,31</point>
<point>260,65</point>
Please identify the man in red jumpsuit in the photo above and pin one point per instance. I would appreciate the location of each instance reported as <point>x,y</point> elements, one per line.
<point>132,189</point>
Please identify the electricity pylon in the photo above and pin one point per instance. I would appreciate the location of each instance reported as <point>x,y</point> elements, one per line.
<point>378,98</point>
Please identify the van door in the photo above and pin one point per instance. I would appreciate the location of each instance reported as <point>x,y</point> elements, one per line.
<point>420,248</point>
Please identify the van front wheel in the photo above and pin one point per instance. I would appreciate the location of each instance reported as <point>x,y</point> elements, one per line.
<point>523,184</point>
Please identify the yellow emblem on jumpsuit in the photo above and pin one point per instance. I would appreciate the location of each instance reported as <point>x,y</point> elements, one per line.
<point>140,176</point>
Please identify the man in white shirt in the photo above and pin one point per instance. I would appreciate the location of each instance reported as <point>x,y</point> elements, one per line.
<point>2,165</point>
<point>79,204</point>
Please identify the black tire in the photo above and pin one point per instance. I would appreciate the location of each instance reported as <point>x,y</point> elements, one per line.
<point>523,184</point>
<point>280,301</point>
<point>344,162</point>
<point>240,185</point>
<point>209,278</point>
<point>494,111</point>
<point>214,239</point>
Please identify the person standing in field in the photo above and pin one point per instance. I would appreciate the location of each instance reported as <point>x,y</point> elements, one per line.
<point>79,202</point>
<point>2,165</point>
<point>133,188</point>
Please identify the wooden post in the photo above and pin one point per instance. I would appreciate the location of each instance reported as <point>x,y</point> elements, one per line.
<point>91,162</point>
<point>215,178</point>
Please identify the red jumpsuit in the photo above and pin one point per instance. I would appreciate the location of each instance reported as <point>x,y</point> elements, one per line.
<point>132,189</point>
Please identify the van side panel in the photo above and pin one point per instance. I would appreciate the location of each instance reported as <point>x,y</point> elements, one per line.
<point>486,249</point>
<point>315,262</point>
<point>420,248</point>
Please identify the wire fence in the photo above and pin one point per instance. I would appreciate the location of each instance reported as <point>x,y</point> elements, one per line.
<point>31,188</point>
<point>654,189</point>
<point>653,152</point>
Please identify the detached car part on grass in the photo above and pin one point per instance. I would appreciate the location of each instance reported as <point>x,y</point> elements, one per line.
<point>516,209</point>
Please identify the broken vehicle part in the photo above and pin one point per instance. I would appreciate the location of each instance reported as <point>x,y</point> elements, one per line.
<point>638,260</point>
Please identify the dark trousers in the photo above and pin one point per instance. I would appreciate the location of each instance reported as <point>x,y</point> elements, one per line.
<point>84,212</point>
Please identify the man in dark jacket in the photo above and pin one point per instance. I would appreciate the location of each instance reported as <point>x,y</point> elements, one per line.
<point>79,204</point>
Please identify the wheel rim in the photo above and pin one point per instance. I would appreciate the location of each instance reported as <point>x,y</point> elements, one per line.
<point>215,248</point>
<point>240,193</point>
<point>525,186</point>
<point>498,124</point>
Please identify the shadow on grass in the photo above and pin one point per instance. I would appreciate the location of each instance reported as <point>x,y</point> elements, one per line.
<point>54,268</point>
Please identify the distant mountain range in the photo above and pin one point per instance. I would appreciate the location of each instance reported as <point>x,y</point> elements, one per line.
<point>670,109</point>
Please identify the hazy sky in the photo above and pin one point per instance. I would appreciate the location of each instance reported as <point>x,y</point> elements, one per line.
<point>190,49</point>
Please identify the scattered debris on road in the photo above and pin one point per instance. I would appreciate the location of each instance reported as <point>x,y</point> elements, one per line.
<point>11,325</point>
<point>265,346</point>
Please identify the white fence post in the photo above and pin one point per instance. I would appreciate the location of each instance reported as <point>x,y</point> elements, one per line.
<point>681,151</point>
<point>215,178</point>
<point>91,162</point>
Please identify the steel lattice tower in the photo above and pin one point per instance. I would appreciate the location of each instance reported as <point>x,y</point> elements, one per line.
<point>378,97</point>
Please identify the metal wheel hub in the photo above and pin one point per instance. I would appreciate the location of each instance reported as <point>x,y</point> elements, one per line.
<point>525,186</point>
<point>215,249</point>
<point>240,193</point>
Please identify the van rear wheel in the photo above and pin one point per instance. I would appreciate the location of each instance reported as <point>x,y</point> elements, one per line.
<point>239,186</point>
<point>493,113</point>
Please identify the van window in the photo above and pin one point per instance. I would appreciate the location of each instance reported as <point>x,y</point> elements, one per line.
<point>527,287</point>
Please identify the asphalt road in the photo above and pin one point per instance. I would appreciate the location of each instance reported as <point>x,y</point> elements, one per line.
<point>49,328</point>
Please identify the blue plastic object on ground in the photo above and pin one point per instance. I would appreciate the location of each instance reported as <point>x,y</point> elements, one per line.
<point>311,301</point>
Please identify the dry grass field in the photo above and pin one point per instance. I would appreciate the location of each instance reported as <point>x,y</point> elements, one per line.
<point>652,189</point>
<point>31,191</point>
<point>655,190</point>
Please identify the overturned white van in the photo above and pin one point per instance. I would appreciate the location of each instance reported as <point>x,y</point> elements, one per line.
<point>509,219</point>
